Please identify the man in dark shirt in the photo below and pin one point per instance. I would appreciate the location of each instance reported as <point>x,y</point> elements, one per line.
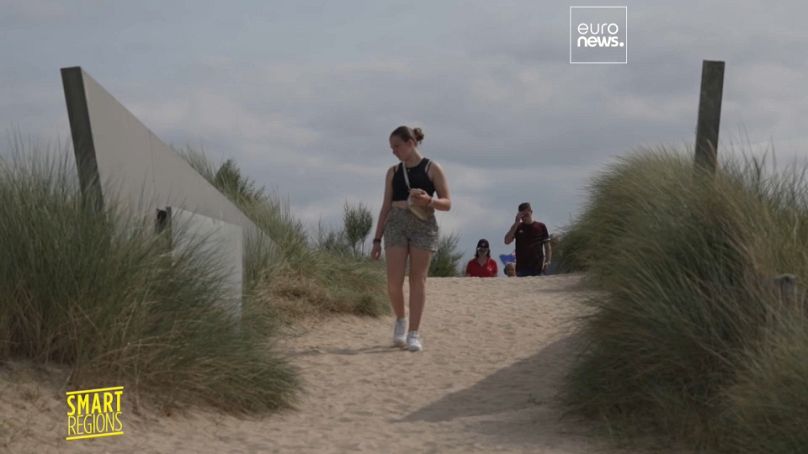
<point>532,241</point>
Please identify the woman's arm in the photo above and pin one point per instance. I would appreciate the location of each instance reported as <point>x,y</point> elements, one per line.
<point>386,203</point>
<point>443,201</point>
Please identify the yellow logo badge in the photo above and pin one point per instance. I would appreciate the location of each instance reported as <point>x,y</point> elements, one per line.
<point>94,413</point>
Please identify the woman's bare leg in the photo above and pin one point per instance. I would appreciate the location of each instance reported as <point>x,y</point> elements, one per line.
<point>419,267</point>
<point>396,259</point>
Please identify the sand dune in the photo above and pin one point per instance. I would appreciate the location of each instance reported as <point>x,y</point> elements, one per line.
<point>495,351</point>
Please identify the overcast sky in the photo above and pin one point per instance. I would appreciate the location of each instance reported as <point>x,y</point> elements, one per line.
<point>304,94</point>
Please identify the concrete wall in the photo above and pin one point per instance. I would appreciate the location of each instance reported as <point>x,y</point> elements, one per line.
<point>218,239</point>
<point>120,160</point>
<point>132,164</point>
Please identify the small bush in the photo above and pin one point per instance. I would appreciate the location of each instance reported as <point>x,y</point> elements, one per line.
<point>446,260</point>
<point>358,221</point>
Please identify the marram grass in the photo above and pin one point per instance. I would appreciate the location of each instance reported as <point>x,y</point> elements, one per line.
<point>687,338</point>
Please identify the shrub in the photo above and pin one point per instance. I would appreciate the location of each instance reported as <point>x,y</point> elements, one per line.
<point>446,260</point>
<point>684,264</point>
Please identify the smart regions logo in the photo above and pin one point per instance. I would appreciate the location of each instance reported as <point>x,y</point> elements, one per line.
<point>598,34</point>
<point>94,413</point>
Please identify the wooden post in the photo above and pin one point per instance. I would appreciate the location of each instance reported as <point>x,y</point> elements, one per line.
<point>712,86</point>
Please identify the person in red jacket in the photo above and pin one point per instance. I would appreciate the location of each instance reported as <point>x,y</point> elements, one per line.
<point>482,265</point>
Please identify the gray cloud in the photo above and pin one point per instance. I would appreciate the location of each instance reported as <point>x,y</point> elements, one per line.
<point>304,96</point>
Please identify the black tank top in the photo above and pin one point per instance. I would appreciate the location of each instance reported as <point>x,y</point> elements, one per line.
<point>418,179</point>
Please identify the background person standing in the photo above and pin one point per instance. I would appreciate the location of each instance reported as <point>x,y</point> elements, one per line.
<point>533,250</point>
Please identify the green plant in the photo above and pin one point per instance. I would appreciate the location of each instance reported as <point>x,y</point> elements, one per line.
<point>229,180</point>
<point>100,292</point>
<point>293,275</point>
<point>682,325</point>
<point>357,220</point>
<point>446,260</point>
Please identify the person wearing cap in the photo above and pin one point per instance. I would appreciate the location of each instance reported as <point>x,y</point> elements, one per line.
<point>482,265</point>
<point>533,250</point>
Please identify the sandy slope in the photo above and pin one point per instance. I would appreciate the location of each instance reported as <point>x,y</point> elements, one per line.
<point>495,350</point>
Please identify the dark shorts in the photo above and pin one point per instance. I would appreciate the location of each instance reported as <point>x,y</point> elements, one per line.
<point>404,229</point>
<point>529,271</point>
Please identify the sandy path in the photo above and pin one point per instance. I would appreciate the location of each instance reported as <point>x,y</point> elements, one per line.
<point>494,352</point>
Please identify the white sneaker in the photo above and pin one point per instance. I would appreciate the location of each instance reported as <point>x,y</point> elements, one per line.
<point>414,342</point>
<point>400,333</point>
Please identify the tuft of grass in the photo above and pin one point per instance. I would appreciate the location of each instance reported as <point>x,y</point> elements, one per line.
<point>101,293</point>
<point>286,270</point>
<point>767,405</point>
<point>685,264</point>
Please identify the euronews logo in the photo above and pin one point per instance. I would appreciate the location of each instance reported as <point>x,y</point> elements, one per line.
<point>598,34</point>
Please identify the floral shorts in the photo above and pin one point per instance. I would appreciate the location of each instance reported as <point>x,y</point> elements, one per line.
<point>404,229</point>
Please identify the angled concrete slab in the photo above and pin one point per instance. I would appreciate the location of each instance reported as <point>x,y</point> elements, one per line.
<point>119,157</point>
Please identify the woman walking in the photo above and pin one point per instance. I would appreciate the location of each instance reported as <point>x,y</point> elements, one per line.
<point>413,190</point>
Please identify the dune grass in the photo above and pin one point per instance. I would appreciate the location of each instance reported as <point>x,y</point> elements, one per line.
<point>689,337</point>
<point>102,294</point>
<point>289,272</point>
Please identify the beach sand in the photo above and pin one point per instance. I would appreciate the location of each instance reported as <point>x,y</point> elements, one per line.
<point>495,351</point>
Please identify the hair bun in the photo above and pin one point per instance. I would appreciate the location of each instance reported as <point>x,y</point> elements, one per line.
<point>405,133</point>
<point>418,134</point>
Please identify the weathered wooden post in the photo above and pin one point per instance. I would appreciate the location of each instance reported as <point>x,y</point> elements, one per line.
<point>712,86</point>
